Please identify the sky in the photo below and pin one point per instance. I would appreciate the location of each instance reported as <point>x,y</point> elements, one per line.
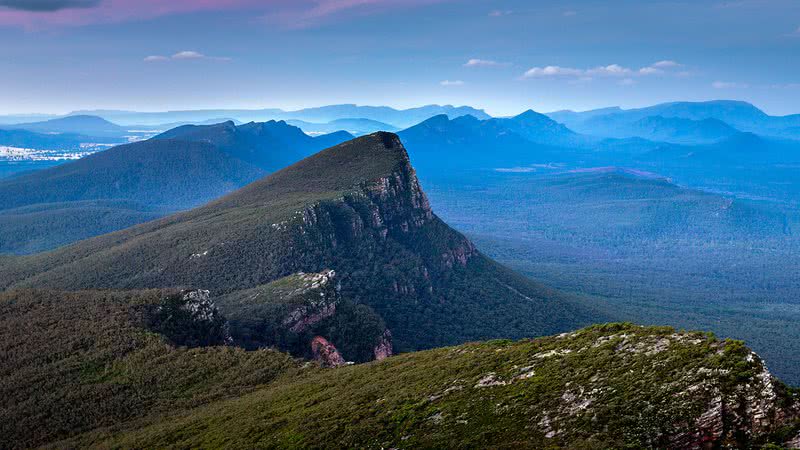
<point>504,56</point>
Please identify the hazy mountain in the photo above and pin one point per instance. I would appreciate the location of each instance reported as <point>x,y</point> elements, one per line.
<point>567,116</point>
<point>356,127</point>
<point>79,124</point>
<point>324,114</point>
<point>355,208</point>
<point>269,145</point>
<point>398,118</point>
<point>674,129</point>
<point>48,141</point>
<point>541,129</point>
<point>178,170</point>
<point>740,115</point>
<point>467,142</point>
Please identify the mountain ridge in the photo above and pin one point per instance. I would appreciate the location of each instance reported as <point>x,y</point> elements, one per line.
<point>371,222</point>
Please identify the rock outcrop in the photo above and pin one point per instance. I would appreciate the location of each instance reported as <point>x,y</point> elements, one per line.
<point>384,348</point>
<point>289,313</point>
<point>317,308</point>
<point>190,318</point>
<point>325,353</point>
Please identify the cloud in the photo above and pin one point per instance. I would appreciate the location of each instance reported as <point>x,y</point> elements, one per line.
<point>627,82</point>
<point>666,64</point>
<point>155,58</point>
<point>552,71</point>
<point>570,13</point>
<point>728,85</point>
<point>611,70</point>
<point>451,83</point>
<point>650,71</point>
<point>475,62</point>
<point>47,5</point>
<point>299,14</point>
<point>188,54</point>
<point>500,13</point>
<point>42,14</point>
<point>185,55</point>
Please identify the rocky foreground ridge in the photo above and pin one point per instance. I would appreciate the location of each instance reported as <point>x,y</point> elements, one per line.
<point>609,386</point>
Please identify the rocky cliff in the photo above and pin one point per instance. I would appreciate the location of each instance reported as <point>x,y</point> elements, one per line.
<point>305,315</point>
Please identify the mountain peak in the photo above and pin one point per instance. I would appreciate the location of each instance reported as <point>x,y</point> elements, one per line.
<point>531,114</point>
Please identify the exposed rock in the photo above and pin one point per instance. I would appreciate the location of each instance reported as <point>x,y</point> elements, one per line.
<point>315,310</point>
<point>325,353</point>
<point>489,380</point>
<point>190,318</point>
<point>794,443</point>
<point>384,348</point>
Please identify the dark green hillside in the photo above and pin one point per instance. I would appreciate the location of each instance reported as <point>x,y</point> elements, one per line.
<point>149,369</point>
<point>74,362</point>
<point>611,386</point>
<point>152,172</point>
<point>40,227</point>
<point>356,208</point>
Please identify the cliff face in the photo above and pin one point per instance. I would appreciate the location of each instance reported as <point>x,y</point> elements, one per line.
<point>305,315</point>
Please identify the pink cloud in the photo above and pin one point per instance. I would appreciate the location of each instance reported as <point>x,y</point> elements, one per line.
<point>288,13</point>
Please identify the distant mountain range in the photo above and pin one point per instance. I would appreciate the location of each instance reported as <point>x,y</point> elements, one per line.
<point>395,117</point>
<point>739,115</point>
<point>79,124</point>
<point>47,141</point>
<point>356,127</point>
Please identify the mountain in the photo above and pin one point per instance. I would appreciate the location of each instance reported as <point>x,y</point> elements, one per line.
<point>675,129</point>
<point>739,115</point>
<point>399,118</point>
<point>541,129</point>
<point>134,183</point>
<point>354,126</point>
<point>79,124</point>
<point>268,145</point>
<point>45,141</point>
<point>105,369</point>
<point>469,143</point>
<point>569,116</point>
<point>356,208</point>
<point>158,172</point>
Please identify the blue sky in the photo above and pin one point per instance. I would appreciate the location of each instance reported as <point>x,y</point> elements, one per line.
<point>62,55</point>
